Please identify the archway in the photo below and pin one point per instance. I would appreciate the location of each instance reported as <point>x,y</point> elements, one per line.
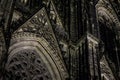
<point>109,26</point>
<point>32,58</point>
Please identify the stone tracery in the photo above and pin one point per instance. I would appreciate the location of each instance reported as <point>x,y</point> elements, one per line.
<point>36,35</point>
<point>27,65</point>
<point>42,33</point>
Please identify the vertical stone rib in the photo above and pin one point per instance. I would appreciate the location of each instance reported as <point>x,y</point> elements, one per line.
<point>73,22</point>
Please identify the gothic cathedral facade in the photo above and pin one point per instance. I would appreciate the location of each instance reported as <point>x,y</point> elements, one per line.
<point>59,40</point>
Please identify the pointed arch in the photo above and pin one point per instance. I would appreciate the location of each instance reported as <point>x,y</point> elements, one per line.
<point>36,35</point>
<point>40,47</point>
<point>105,13</point>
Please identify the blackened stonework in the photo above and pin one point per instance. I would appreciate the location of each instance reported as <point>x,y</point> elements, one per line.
<point>26,65</point>
<point>59,39</point>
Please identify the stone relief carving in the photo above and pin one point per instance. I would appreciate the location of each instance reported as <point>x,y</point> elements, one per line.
<point>27,65</point>
<point>106,13</point>
<point>39,27</point>
<point>105,70</point>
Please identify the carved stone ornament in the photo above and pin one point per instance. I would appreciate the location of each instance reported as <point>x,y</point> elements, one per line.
<point>105,69</point>
<point>106,14</point>
<point>35,39</point>
<point>27,65</point>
